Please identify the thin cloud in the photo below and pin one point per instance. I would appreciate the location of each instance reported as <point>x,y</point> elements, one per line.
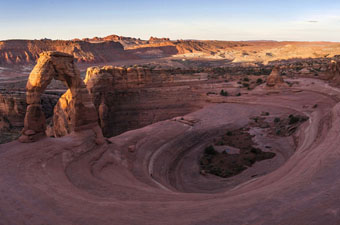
<point>312,21</point>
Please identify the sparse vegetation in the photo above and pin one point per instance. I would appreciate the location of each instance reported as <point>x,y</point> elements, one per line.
<point>276,120</point>
<point>210,150</point>
<point>224,93</point>
<point>259,81</point>
<point>293,119</point>
<point>225,165</point>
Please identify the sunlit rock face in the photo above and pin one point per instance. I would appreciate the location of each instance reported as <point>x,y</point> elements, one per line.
<point>59,66</point>
<point>275,79</point>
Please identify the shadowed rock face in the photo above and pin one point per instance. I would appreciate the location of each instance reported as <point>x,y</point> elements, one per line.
<point>130,98</point>
<point>12,108</point>
<point>59,66</point>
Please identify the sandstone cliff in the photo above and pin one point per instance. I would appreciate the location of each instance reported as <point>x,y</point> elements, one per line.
<point>130,98</point>
<point>27,51</point>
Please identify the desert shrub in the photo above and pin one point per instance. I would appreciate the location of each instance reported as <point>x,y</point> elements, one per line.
<point>210,150</point>
<point>293,119</point>
<point>276,120</point>
<point>224,93</point>
<point>246,79</point>
<point>229,133</point>
<point>259,81</point>
<point>220,143</point>
<point>245,85</point>
<point>238,94</point>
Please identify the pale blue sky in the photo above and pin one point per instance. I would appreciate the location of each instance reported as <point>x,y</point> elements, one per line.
<point>310,20</point>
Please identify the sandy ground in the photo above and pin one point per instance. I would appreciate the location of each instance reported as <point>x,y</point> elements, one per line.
<point>151,175</point>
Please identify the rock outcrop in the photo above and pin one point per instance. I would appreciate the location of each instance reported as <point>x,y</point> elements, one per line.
<point>13,107</point>
<point>334,71</point>
<point>130,98</point>
<point>12,110</point>
<point>81,111</point>
<point>156,39</point>
<point>275,79</point>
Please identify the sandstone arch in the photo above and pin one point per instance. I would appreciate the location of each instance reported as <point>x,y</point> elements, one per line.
<point>59,66</point>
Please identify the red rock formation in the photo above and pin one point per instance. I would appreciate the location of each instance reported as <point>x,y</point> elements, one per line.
<point>130,98</point>
<point>275,79</point>
<point>82,113</point>
<point>27,52</point>
<point>111,48</point>
<point>334,70</point>
<point>155,39</point>
<point>13,107</point>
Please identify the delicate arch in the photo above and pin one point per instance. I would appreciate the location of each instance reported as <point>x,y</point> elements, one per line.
<point>59,66</point>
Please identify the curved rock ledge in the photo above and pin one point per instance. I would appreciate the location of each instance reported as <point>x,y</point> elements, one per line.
<point>149,175</point>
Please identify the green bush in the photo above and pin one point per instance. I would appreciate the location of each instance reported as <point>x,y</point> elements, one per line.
<point>224,93</point>
<point>210,150</point>
<point>259,81</point>
<point>293,119</point>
